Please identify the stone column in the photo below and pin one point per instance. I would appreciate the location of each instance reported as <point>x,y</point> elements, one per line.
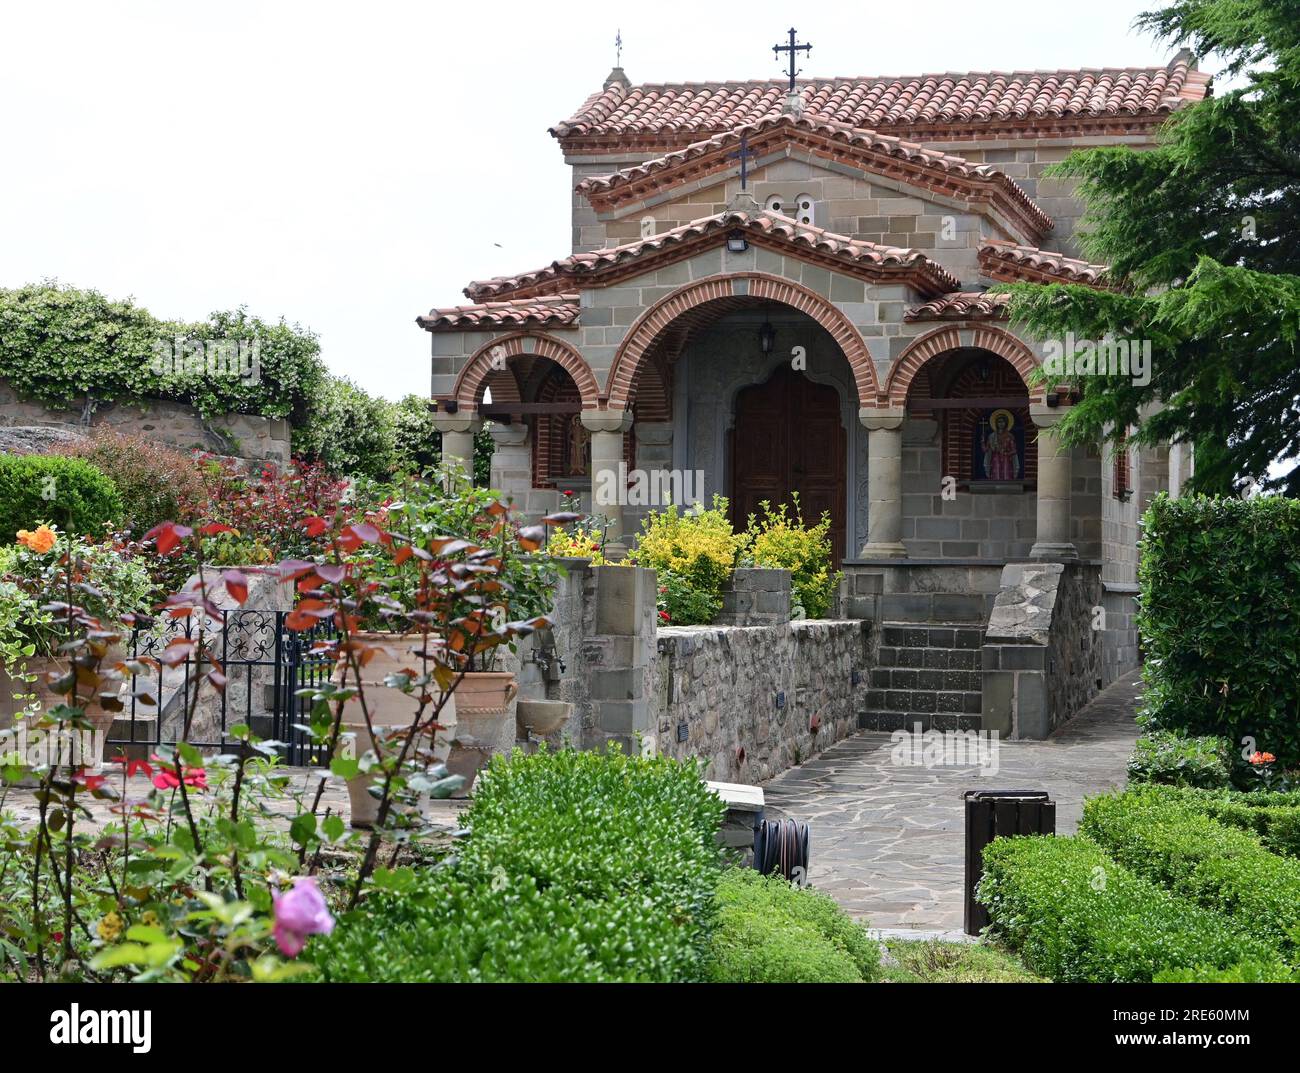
<point>608,477</point>
<point>512,462</point>
<point>458,431</point>
<point>1053,532</point>
<point>884,484</point>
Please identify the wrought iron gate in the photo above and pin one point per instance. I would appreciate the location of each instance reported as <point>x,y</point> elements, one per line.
<point>265,665</point>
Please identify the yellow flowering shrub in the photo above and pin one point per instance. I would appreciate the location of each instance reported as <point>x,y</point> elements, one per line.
<point>579,543</point>
<point>696,548</point>
<point>780,539</point>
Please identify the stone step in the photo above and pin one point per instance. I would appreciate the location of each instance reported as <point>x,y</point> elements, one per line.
<point>936,679</point>
<point>966,702</point>
<point>926,607</point>
<point>932,635</point>
<point>934,659</point>
<point>890,721</point>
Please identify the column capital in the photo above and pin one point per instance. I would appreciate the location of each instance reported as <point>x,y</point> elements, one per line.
<point>507,435</point>
<point>1045,416</point>
<point>876,418</point>
<point>461,421</point>
<point>606,420</point>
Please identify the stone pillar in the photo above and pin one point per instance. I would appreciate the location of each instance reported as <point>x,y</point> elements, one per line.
<point>512,461</point>
<point>884,484</point>
<point>608,478</point>
<point>1052,537</point>
<point>458,431</point>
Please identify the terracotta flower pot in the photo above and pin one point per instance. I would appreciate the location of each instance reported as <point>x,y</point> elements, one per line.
<point>387,705</point>
<point>485,724</point>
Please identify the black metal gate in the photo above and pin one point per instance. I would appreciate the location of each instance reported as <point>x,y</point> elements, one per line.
<point>265,665</point>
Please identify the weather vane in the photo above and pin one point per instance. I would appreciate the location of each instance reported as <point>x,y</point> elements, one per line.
<point>791,48</point>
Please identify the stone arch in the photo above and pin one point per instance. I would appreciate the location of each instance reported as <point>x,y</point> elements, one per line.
<point>479,367</point>
<point>949,337</point>
<point>640,338</point>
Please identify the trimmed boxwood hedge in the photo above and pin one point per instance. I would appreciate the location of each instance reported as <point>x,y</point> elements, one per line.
<point>1219,867</point>
<point>579,866</point>
<point>1273,816</point>
<point>769,931</point>
<point>84,500</point>
<point>1074,914</point>
<point>1219,616</point>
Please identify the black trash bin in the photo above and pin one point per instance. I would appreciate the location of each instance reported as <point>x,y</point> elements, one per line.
<point>993,814</point>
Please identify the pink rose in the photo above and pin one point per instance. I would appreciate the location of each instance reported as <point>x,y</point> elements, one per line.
<point>300,912</point>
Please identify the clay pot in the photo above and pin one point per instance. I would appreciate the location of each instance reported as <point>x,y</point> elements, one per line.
<point>540,717</point>
<point>484,723</point>
<point>389,706</point>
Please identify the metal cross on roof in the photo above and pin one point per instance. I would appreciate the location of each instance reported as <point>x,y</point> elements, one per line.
<point>791,48</point>
<point>744,155</point>
<point>618,48</point>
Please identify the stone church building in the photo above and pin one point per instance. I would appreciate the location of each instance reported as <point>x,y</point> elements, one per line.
<point>795,290</point>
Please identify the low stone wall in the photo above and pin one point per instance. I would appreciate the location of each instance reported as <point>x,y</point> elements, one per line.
<point>755,597</point>
<point>246,436</point>
<point>1042,655</point>
<point>753,701</point>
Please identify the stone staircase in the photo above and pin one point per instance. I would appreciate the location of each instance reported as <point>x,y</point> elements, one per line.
<point>927,673</point>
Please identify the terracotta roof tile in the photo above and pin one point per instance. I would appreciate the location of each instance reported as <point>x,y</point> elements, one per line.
<point>955,171</point>
<point>893,102</point>
<point>1011,263</point>
<point>962,305</point>
<point>554,310</point>
<point>848,251</point>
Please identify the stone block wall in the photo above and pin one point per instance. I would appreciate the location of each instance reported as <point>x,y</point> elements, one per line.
<point>754,701</point>
<point>754,597</point>
<point>245,436</point>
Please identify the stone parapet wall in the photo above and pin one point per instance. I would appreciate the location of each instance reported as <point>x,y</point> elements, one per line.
<point>245,436</point>
<point>754,701</point>
<point>755,597</point>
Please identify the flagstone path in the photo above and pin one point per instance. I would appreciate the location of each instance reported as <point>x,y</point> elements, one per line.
<point>887,840</point>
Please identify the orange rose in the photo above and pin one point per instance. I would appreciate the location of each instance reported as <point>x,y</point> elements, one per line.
<point>40,541</point>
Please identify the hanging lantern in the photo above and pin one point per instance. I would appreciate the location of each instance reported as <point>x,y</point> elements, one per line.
<point>767,337</point>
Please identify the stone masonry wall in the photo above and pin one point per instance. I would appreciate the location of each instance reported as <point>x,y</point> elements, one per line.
<point>754,701</point>
<point>246,436</point>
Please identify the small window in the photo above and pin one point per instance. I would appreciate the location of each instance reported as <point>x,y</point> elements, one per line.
<point>1122,477</point>
<point>804,209</point>
<point>775,203</point>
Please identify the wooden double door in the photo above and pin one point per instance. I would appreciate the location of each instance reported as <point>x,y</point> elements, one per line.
<point>789,437</point>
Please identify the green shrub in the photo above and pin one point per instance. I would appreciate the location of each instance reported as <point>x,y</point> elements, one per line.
<point>769,931</point>
<point>781,539</point>
<point>934,961</point>
<point>578,866</point>
<point>1247,972</point>
<point>1273,816</point>
<point>1219,614</point>
<point>1170,757</point>
<point>1076,915</point>
<point>157,483</point>
<point>1219,867</point>
<point>349,431</point>
<point>64,491</point>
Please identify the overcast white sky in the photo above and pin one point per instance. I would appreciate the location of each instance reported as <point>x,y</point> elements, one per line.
<point>347,166</point>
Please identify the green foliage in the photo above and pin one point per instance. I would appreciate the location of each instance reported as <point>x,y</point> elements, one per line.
<point>157,483</point>
<point>61,346</point>
<point>937,962</point>
<point>1076,915</point>
<point>1170,757</point>
<point>1274,817</point>
<point>579,866</point>
<point>1218,615</point>
<point>1219,867</point>
<point>698,548</point>
<point>1246,972</point>
<point>65,491</point>
<point>680,603</point>
<point>349,431</point>
<point>781,539</point>
<point>770,931</point>
<point>1199,230</point>
<point>417,444</point>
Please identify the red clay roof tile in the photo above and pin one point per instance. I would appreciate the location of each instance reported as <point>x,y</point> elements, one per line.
<point>1010,262</point>
<point>553,310</point>
<point>962,305</point>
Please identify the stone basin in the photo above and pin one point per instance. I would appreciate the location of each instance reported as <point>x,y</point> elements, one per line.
<point>542,717</point>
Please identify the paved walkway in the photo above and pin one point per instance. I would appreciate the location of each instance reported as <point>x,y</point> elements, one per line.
<point>887,839</point>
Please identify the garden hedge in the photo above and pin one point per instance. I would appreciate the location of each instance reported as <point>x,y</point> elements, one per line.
<point>1273,816</point>
<point>1076,915</point>
<point>1219,616</point>
<point>1173,758</point>
<point>769,931</point>
<point>579,866</point>
<point>1219,867</point>
<point>66,492</point>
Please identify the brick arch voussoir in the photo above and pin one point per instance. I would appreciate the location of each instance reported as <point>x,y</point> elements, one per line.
<point>636,344</point>
<point>479,367</point>
<point>949,337</point>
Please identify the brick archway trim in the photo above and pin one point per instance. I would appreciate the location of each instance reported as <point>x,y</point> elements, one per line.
<point>646,329</point>
<point>950,337</point>
<point>479,367</point>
